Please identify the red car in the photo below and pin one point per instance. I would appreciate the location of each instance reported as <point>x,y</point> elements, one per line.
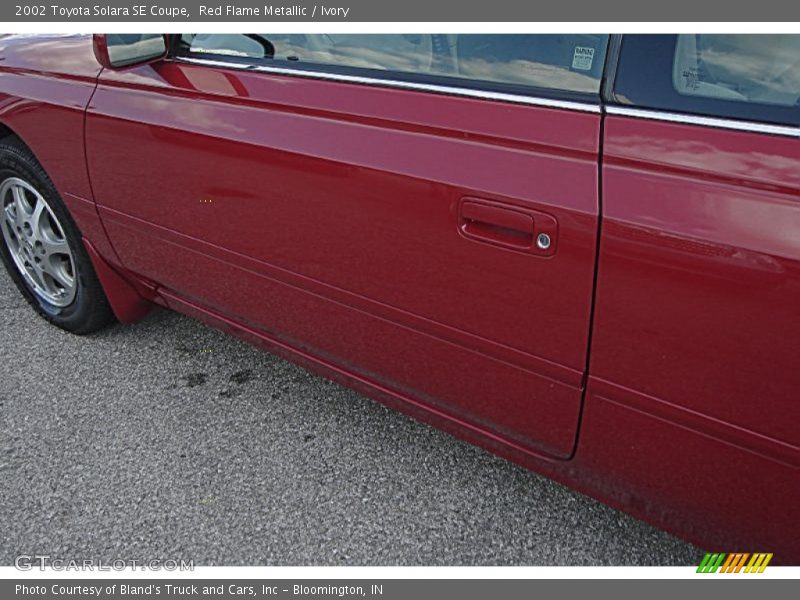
<point>581,252</point>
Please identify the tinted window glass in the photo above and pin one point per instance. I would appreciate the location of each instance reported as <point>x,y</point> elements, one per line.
<point>753,77</point>
<point>762,69</point>
<point>572,63</point>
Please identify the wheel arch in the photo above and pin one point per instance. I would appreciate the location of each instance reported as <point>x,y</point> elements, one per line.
<point>124,297</point>
<point>6,131</point>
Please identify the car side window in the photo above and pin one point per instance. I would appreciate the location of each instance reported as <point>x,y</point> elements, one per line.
<point>562,63</point>
<point>751,77</point>
<point>761,69</point>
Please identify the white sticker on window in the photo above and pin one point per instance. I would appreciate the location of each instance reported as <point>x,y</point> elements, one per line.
<point>583,58</point>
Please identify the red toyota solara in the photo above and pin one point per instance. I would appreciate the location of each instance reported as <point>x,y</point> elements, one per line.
<point>581,252</point>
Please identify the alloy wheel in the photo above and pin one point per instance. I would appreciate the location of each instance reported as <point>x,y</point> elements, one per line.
<point>36,242</point>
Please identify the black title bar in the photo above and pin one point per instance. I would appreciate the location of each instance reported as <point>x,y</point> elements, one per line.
<point>126,11</point>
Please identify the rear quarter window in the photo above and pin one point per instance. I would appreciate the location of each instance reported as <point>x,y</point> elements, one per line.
<point>749,77</point>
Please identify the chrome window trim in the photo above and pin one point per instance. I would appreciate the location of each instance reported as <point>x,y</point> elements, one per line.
<point>396,83</point>
<point>611,109</point>
<point>687,119</point>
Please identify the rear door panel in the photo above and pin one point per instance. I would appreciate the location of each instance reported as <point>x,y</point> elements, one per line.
<point>328,214</point>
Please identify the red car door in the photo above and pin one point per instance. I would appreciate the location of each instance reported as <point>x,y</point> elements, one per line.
<point>697,323</point>
<point>432,231</point>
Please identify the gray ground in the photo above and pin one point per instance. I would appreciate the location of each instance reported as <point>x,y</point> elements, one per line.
<point>168,439</point>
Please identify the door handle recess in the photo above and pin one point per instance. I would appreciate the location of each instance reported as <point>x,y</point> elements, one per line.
<point>507,226</point>
<point>497,225</point>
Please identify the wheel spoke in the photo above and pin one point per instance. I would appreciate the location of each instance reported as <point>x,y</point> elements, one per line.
<point>10,212</point>
<point>58,272</point>
<point>20,205</point>
<point>54,246</point>
<point>37,274</point>
<point>36,219</point>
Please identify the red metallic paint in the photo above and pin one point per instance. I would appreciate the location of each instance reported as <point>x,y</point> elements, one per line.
<point>333,223</point>
<point>699,287</point>
<point>685,479</point>
<point>322,220</point>
<point>696,330</point>
<point>45,85</point>
<point>126,302</point>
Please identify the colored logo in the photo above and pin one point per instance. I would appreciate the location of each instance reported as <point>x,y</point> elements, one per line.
<point>733,563</point>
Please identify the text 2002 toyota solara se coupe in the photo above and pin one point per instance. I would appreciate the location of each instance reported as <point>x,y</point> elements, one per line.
<point>581,252</point>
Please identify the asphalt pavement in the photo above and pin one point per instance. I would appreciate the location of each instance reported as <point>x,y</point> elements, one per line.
<point>170,440</point>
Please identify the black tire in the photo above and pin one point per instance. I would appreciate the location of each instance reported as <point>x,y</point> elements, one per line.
<point>89,310</point>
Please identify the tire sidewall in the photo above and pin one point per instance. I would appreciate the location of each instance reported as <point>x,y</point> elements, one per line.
<point>14,163</point>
